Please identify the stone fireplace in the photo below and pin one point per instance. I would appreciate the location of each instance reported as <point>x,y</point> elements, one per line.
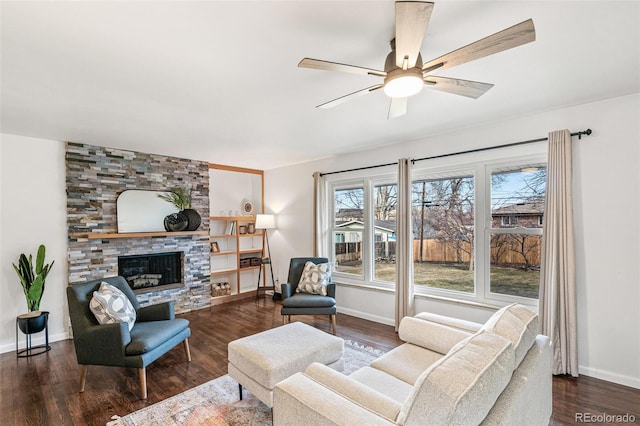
<point>95,176</point>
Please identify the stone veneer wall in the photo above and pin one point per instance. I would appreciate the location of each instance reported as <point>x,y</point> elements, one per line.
<point>95,178</point>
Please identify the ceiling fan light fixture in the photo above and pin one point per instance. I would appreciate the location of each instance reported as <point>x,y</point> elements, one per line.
<point>403,84</point>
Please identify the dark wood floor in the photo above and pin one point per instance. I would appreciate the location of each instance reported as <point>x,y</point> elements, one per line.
<point>43,390</point>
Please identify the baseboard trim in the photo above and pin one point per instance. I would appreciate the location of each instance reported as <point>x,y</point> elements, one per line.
<point>366,316</point>
<point>609,376</point>
<point>35,341</point>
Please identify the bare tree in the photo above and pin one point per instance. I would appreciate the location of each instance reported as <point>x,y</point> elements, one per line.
<point>450,211</point>
<point>386,202</point>
<point>527,247</point>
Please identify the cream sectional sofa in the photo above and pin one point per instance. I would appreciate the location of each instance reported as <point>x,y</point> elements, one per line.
<point>448,372</point>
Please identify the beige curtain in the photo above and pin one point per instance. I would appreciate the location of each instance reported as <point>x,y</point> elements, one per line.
<point>404,244</point>
<point>320,215</point>
<point>557,302</point>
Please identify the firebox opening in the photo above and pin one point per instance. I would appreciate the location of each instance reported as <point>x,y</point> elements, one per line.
<point>152,272</point>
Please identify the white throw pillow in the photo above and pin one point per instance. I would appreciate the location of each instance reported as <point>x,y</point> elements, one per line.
<point>314,278</point>
<point>110,305</point>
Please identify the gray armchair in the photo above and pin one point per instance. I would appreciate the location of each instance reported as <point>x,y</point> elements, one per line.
<point>307,304</point>
<point>154,333</point>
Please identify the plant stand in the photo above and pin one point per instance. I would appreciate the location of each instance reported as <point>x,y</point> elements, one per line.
<point>28,324</point>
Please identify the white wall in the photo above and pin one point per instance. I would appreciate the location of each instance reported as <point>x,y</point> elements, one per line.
<point>606,204</point>
<point>33,212</point>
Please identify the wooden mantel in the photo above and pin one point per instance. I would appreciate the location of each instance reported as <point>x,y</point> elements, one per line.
<point>99,236</point>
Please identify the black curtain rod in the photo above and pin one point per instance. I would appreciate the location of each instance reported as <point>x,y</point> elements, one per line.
<point>470,151</point>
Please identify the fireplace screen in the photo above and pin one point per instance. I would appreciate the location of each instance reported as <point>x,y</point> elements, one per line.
<point>152,272</point>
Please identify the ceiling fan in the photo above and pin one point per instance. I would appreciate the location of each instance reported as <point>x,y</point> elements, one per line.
<point>404,72</point>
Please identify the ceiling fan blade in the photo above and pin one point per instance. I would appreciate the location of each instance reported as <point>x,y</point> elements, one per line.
<point>470,89</point>
<point>319,64</point>
<point>412,18</point>
<point>397,108</point>
<point>515,36</point>
<point>345,98</point>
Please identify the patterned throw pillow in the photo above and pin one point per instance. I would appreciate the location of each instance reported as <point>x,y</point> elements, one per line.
<point>110,305</point>
<point>314,278</point>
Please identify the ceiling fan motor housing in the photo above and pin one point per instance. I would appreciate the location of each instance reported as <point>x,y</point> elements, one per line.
<point>400,82</point>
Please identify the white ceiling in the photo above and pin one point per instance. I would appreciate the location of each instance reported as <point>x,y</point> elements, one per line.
<point>218,81</point>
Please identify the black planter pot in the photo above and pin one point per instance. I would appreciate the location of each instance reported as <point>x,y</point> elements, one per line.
<point>193,217</point>
<point>33,322</point>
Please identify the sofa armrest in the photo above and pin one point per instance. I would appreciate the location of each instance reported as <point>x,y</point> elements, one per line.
<point>158,312</point>
<point>430,335</point>
<point>354,391</point>
<point>103,344</point>
<point>301,397</point>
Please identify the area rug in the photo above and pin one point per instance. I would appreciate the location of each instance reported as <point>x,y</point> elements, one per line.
<point>216,402</point>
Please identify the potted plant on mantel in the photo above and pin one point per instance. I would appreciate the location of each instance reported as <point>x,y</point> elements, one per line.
<point>181,199</point>
<point>32,277</point>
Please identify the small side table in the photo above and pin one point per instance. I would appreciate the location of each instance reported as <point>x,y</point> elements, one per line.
<point>29,319</point>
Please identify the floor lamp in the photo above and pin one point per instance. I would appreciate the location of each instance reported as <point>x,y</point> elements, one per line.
<point>266,222</point>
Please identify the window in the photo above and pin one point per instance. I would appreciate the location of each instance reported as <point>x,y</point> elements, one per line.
<point>348,228</point>
<point>515,252</point>
<point>442,212</point>
<point>364,230</point>
<point>477,229</point>
<point>509,220</point>
<point>384,224</point>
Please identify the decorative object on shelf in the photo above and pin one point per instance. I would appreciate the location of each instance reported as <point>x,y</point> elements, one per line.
<point>194,219</point>
<point>220,289</point>
<point>242,229</point>
<point>231,227</point>
<point>181,199</point>
<point>251,228</point>
<point>32,278</point>
<point>214,247</point>
<point>176,222</point>
<point>266,222</point>
<point>247,207</point>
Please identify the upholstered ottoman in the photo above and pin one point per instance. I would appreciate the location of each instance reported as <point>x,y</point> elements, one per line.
<point>260,361</point>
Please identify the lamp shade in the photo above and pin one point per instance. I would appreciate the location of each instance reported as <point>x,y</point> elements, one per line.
<point>265,221</point>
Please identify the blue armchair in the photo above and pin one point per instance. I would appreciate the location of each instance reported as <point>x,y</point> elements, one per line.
<point>154,333</point>
<point>306,304</point>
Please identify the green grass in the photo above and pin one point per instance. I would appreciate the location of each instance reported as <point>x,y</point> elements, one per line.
<point>458,277</point>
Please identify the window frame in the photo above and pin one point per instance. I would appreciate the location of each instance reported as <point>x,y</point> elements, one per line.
<point>447,173</point>
<point>478,165</point>
<point>488,229</point>
<point>368,183</point>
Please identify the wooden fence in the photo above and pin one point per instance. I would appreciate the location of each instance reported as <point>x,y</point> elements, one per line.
<point>506,249</point>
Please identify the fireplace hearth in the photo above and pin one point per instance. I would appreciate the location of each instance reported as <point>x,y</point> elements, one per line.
<point>152,272</point>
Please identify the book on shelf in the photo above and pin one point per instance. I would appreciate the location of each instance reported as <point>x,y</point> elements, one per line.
<point>231,227</point>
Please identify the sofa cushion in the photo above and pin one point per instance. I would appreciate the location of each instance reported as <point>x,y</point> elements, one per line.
<point>517,323</point>
<point>314,278</point>
<point>146,336</point>
<point>436,337</point>
<point>303,300</point>
<point>382,382</point>
<point>406,362</point>
<point>461,387</point>
<point>110,305</point>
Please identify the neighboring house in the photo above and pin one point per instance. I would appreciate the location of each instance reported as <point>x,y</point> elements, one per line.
<point>351,231</point>
<point>520,215</point>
